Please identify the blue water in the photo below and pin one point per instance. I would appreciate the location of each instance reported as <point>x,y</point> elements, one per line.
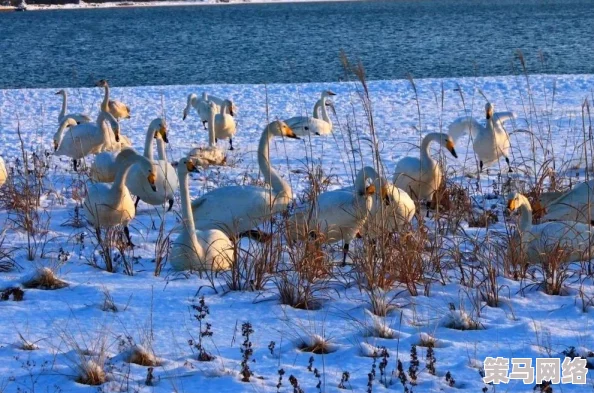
<point>277,43</point>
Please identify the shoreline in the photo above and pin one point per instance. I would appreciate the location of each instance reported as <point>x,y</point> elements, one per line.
<point>127,4</point>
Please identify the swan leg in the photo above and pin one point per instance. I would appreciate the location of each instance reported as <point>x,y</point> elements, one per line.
<point>170,204</point>
<point>127,233</point>
<point>136,203</point>
<point>216,140</point>
<point>75,162</point>
<point>428,205</point>
<point>204,124</point>
<point>481,166</point>
<point>231,144</point>
<point>345,251</point>
<point>508,164</point>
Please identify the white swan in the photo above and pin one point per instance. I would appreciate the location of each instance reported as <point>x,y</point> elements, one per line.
<point>78,117</point>
<point>421,177</point>
<point>338,215</point>
<point>201,105</point>
<point>107,206</point>
<point>166,177</point>
<point>197,250</point>
<point>236,209</point>
<point>3,172</point>
<point>572,239</point>
<point>392,208</point>
<point>118,109</point>
<point>224,123</point>
<point>305,125</point>
<point>489,142</point>
<point>576,204</point>
<point>84,139</point>
<point>211,155</point>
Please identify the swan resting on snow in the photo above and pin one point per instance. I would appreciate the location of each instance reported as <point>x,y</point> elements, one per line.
<point>195,250</point>
<point>305,125</point>
<point>573,240</point>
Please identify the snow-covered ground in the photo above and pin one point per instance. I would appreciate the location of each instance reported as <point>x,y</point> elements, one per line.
<point>155,311</point>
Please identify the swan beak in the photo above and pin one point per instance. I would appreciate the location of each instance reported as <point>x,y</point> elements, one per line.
<point>488,115</point>
<point>163,131</point>
<point>511,204</point>
<point>385,196</point>
<point>185,115</point>
<point>117,137</point>
<point>331,93</point>
<point>317,133</point>
<point>450,147</point>
<point>370,190</point>
<point>55,145</point>
<point>57,93</point>
<point>151,179</point>
<point>191,167</point>
<point>290,133</point>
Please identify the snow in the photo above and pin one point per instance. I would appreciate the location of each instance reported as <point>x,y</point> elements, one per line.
<point>156,311</point>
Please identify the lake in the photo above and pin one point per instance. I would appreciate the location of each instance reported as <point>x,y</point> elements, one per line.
<point>288,43</point>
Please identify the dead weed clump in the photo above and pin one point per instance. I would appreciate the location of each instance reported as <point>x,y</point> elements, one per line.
<point>44,278</point>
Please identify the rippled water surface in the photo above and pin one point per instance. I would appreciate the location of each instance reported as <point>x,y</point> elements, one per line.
<point>278,43</point>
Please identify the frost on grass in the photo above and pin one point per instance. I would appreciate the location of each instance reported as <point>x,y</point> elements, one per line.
<point>460,320</point>
<point>137,354</point>
<point>44,278</point>
<point>91,373</point>
<point>317,344</point>
<point>378,327</point>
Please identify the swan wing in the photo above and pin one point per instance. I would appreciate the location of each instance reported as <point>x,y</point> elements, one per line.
<point>459,127</point>
<point>503,116</point>
<point>305,125</point>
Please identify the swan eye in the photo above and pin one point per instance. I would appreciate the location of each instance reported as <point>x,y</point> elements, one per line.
<point>306,128</point>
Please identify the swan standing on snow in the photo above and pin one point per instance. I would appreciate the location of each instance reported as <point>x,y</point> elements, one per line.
<point>107,206</point>
<point>202,106</point>
<point>84,139</point>
<point>576,204</point>
<point>236,209</point>
<point>166,177</point>
<point>3,172</point>
<point>197,250</point>
<point>224,123</point>
<point>489,142</point>
<point>210,155</point>
<point>78,117</point>
<point>421,177</point>
<point>573,239</point>
<point>338,215</point>
<point>118,109</point>
<point>305,125</point>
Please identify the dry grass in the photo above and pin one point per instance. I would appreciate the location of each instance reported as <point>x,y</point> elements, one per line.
<point>139,355</point>
<point>44,278</point>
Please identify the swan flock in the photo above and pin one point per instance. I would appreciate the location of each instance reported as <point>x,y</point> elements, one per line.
<point>119,179</point>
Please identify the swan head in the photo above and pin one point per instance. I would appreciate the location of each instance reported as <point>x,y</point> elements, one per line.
<point>192,98</point>
<point>514,201</point>
<point>186,165</point>
<point>159,127</point>
<point>101,83</point>
<point>280,128</point>
<point>370,190</point>
<point>448,142</point>
<point>232,108</point>
<point>328,93</point>
<point>61,92</point>
<point>489,110</point>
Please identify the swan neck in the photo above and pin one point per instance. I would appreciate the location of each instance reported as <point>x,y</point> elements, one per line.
<point>161,149</point>
<point>271,177</point>
<point>148,143</point>
<point>121,175</point>
<point>425,156</point>
<point>525,216</point>
<point>187,214</point>
<point>64,105</point>
<point>105,103</point>
<point>60,134</point>
<point>325,115</point>
<point>211,128</point>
